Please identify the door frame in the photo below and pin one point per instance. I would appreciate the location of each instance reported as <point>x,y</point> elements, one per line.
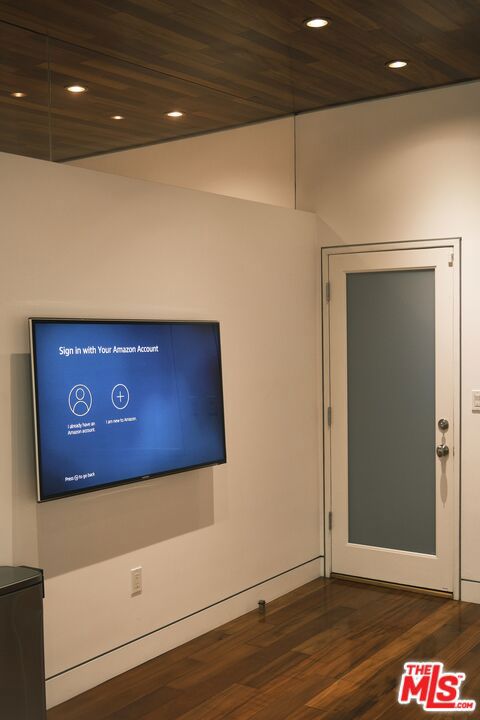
<point>325,434</point>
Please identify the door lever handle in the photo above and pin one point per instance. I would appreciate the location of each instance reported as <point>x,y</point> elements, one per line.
<point>443,450</point>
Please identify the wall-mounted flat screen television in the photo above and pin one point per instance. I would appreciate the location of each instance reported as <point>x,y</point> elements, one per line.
<point>119,401</point>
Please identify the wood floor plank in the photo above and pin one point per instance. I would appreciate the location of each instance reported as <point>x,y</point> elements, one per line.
<point>281,702</point>
<point>217,707</point>
<point>396,649</point>
<point>279,667</point>
<point>248,710</point>
<point>331,650</point>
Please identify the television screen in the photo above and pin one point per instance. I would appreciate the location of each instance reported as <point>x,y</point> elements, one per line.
<point>119,401</point>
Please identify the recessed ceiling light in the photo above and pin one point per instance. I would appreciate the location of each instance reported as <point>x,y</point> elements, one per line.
<point>18,94</point>
<point>175,114</point>
<point>316,22</point>
<point>76,89</point>
<point>117,117</point>
<point>397,64</point>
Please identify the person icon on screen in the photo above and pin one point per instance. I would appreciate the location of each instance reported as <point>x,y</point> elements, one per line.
<point>80,407</point>
<point>80,400</point>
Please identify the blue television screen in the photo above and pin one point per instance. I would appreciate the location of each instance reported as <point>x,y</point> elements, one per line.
<point>119,401</point>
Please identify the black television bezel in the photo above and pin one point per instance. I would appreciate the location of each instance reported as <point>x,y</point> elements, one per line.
<point>128,481</point>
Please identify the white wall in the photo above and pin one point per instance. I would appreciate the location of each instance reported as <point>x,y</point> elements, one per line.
<point>255,162</point>
<point>397,169</point>
<point>81,243</point>
<point>408,168</point>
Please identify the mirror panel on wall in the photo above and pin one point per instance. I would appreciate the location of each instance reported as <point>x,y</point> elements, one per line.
<point>124,105</point>
<point>24,93</point>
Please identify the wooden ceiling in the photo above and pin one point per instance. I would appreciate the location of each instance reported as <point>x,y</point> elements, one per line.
<point>222,62</point>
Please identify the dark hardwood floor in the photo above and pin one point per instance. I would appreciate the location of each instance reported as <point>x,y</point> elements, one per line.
<point>330,650</point>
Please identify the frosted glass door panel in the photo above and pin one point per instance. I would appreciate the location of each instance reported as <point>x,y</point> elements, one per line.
<point>391,409</point>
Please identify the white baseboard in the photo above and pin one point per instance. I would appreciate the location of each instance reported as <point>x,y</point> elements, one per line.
<point>92,673</point>
<point>470,591</point>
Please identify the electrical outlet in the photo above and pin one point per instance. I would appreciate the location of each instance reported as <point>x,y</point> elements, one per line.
<point>476,401</point>
<point>136,580</point>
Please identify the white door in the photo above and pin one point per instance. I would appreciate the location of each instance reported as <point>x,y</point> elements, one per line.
<point>391,383</point>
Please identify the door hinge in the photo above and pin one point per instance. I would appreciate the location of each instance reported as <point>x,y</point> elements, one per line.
<point>329,416</point>
<point>450,262</point>
<point>327,292</point>
<point>330,520</point>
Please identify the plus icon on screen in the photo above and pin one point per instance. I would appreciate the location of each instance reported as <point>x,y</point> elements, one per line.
<point>120,396</point>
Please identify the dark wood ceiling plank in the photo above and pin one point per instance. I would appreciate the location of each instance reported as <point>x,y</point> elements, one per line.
<point>223,62</point>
